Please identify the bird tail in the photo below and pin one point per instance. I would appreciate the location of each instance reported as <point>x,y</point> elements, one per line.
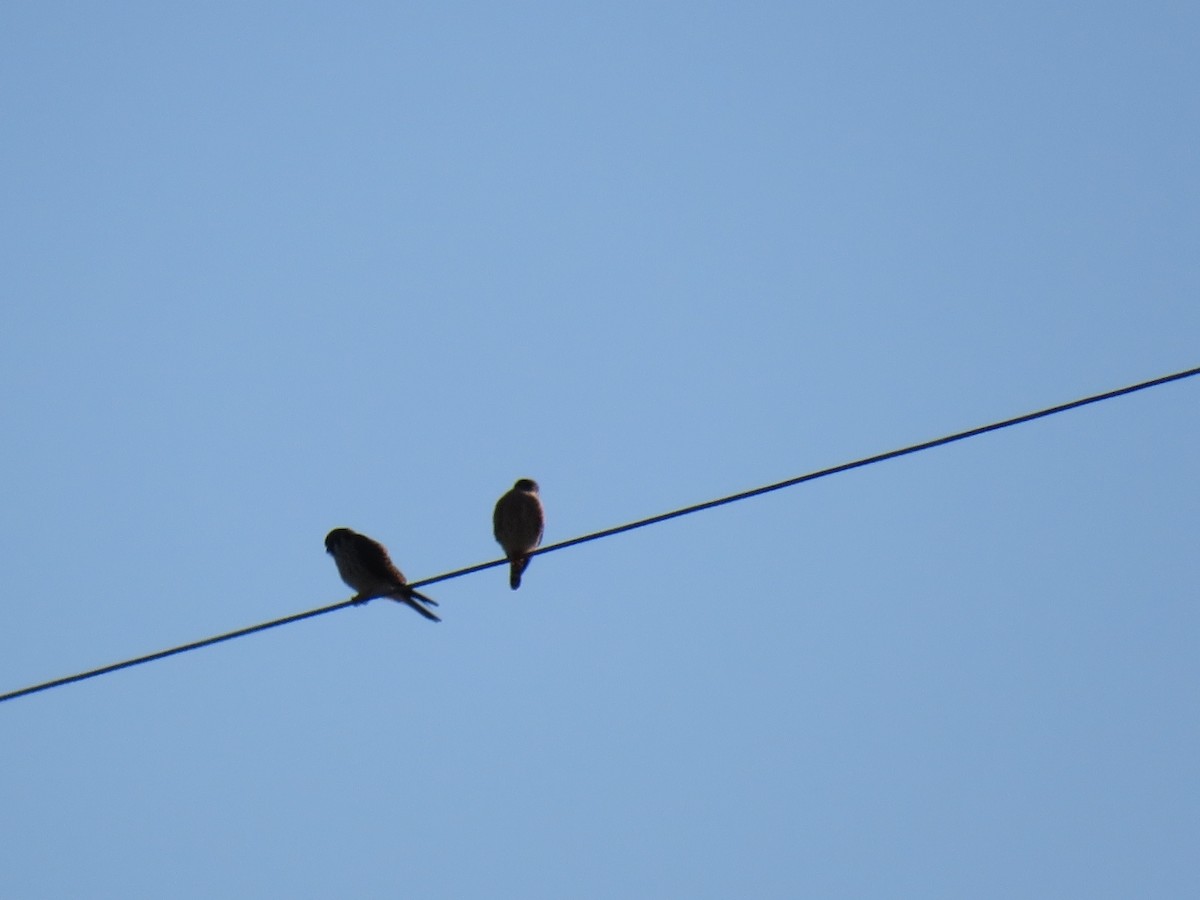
<point>413,599</point>
<point>419,607</point>
<point>514,574</point>
<point>428,601</point>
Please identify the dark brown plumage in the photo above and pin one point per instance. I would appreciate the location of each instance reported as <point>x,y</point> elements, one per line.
<point>364,564</point>
<point>518,522</point>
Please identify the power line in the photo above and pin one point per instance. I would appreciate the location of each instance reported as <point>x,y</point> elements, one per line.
<point>641,523</point>
<point>833,470</point>
<point>161,654</point>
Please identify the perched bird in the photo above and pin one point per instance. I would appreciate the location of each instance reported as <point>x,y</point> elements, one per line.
<point>517,524</point>
<point>364,564</point>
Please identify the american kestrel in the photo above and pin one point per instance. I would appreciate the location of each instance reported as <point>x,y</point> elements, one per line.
<point>517,524</point>
<point>364,564</point>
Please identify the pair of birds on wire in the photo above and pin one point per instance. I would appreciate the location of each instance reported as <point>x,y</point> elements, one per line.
<point>364,564</point>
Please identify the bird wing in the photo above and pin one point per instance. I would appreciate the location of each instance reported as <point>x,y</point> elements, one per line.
<point>501,516</point>
<point>518,521</point>
<point>375,558</point>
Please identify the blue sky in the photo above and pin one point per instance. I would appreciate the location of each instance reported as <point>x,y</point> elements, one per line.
<point>275,268</point>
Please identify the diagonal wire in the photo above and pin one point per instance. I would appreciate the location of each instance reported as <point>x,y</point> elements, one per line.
<point>162,654</point>
<point>833,470</point>
<point>640,523</point>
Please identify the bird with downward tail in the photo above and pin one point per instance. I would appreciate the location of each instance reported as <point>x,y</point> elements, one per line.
<point>364,564</point>
<point>518,522</point>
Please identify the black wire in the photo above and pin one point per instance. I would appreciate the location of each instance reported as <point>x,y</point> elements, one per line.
<point>641,523</point>
<point>196,645</point>
<point>833,470</point>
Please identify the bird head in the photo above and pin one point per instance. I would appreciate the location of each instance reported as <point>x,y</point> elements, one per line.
<point>336,538</point>
<point>528,485</point>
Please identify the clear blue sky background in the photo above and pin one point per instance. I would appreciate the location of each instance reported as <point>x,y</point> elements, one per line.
<point>272,268</point>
